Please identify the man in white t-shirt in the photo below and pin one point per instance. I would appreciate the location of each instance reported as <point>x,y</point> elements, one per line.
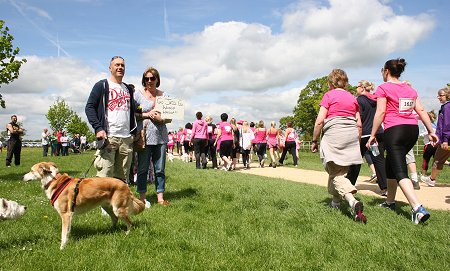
<point>45,141</point>
<point>110,110</point>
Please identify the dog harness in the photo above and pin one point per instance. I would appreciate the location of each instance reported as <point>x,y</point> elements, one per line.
<point>61,188</point>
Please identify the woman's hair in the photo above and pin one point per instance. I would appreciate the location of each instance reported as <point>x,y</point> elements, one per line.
<point>233,123</point>
<point>289,124</point>
<point>432,115</point>
<point>338,79</point>
<point>154,72</point>
<point>188,125</point>
<point>208,119</point>
<point>395,66</point>
<point>224,116</point>
<point>366,85</point>
<point>261,124</point>
<point>245,127</point>
<point>273,124</point>
<point>445,91</point>
<point>199,115</point>
<point>252,124</point>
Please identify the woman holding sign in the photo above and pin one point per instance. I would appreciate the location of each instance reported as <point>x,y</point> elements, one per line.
<point>156,137</point>
<point>396,103</point>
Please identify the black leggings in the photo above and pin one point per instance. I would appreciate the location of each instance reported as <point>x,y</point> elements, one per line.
<point>398,140</point>
<point>378,162</point>
<point>290,146</point>
<point>428,152</point>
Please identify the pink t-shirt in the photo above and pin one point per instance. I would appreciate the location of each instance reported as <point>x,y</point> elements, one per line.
<point>260,135</point>
<point>226,131</point>
<point>339,103</point>
<point>187,134</point>
<point>200,129</point>
<point>400,103</point>
<point>291,135</point>
<point>171,140</point>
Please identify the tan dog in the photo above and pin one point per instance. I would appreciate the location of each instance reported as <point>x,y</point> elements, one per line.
<point>112,194</point>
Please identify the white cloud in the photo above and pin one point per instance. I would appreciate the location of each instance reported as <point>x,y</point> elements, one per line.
<point>249,57</point>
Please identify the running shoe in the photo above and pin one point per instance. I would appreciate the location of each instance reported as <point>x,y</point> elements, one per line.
<point>388,205</point>
<point>357,211</point>
<point>416,185</point>
<point>428,180</point>
<point>419,216</point>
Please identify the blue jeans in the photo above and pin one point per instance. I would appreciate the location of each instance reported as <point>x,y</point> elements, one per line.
<point>157,155</point>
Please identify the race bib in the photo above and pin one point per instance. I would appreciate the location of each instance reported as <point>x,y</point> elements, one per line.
<point>406,105</point>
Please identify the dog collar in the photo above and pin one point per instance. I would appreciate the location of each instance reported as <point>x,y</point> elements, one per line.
<point>53,179</point>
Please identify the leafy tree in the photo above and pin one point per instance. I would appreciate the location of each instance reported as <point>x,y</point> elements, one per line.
<point>307,108</point>
<point>59,115</point>
<point>78,126</point>
<point>9,66</point>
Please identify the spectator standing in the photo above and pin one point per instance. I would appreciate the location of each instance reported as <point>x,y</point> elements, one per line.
<point>14,144</point>
<point>59,145</point>
<point>45,141</point>
<point>110,111</point>
<point>340,123</point>
<point>65,144</point>
<point>396,103</point>
<point>54,144</point>
<point>156,137</point>
<point>76,143</point>
<point>83,142</point>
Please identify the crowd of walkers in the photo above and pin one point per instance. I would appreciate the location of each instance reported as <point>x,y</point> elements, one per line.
<point>229,142</point>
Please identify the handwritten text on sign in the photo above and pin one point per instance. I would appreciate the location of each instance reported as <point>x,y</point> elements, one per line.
<point>170,108</point>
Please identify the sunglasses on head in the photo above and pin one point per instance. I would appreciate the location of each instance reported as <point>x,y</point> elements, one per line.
<point>148,79</point>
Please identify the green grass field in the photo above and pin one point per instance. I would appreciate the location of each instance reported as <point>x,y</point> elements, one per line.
<point>218,221</point>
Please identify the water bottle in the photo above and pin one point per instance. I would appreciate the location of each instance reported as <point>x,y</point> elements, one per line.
<point>374,149</point>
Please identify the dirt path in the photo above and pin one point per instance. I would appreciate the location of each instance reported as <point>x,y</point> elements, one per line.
<point>431,197</point>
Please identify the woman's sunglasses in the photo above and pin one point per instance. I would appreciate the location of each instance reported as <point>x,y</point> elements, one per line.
<point>148,79</point>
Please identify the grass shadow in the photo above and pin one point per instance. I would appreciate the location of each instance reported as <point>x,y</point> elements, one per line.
<point>184,193</point>
<point>399,206</point>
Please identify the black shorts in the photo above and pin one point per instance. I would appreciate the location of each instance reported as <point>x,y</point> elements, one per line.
<point>226,148</point>
<point>398,140</point>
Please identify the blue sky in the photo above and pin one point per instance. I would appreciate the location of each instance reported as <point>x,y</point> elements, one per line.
<point>247,58</point>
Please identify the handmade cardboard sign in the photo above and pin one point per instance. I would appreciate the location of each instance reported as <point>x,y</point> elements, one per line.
<point>170,108</point>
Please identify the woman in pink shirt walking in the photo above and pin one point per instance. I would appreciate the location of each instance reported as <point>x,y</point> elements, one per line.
<point>200,140</point>
<point>396,103</point>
